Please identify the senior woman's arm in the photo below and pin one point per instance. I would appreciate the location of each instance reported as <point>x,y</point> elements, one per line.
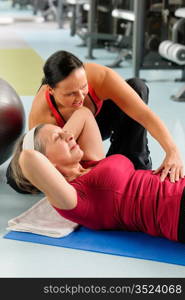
<point>83,126</point>
<point>111,86</point>
<point>42,174</point>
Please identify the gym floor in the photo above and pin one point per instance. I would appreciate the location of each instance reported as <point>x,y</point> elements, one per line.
<point>38,41</point>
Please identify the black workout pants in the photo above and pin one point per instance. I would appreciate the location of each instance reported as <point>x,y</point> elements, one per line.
<point>127,137</point>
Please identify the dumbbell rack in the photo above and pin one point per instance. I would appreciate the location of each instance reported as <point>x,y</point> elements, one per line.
<point>141,58</point>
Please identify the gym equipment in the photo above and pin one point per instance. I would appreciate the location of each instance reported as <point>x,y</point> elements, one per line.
<point>78,17</point>
<point>178,28</point>
<point>172,51</point>
<point>144,58</point>
<point>48,8</point>
<point>125,45</point>
<point>21,3</point>
<point>122,243</point>
<point>92,22</point>
<point>180,95</point>
<point>12,119</point>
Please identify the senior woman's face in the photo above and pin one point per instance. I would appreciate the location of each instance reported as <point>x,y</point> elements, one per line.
<point>60,146</point>
<point>71,91</point>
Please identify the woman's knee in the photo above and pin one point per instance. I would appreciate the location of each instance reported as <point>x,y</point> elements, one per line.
<point>140,87</point>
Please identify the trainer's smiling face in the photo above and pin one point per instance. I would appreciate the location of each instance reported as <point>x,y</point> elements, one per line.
<point>71,91</point>
<point>60,146</point>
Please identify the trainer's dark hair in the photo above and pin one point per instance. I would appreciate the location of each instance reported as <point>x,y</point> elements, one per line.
<point>59,66</point>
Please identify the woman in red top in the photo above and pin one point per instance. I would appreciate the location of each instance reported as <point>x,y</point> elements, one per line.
<point>69,84</point>
<point>94,191</point>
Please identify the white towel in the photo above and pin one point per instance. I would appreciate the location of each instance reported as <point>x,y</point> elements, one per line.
<point>42,219</point>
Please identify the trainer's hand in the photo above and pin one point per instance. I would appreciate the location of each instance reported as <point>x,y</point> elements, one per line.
<point>172,166</point>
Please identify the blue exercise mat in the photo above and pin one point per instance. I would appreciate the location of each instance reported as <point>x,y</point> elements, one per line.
<point>130,244</point>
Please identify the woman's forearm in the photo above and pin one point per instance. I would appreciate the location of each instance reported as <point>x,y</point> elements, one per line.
<point>172,164</point>
<point>42,174</point>
<point>85,130</point>
<point>158,130</point>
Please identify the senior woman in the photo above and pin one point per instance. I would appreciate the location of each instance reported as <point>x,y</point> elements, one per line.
<point>69,166</point>
<point>119,107</point>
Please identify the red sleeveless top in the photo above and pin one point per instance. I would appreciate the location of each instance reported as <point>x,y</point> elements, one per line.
<point>58,116</point>
<point>113,195</point>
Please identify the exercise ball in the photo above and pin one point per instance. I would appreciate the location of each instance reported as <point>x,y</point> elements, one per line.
<point>12,119</point>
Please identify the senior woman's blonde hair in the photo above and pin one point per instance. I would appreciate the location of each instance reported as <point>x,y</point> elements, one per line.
<point>15,169</point>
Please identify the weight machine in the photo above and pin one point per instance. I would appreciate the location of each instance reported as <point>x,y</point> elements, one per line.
<point>171,50</point>
<point>144,58</point>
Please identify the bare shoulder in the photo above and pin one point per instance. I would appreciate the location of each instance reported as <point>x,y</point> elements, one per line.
<point>40,112</point>
<point>40,96</point>
<point>96,75</point>
<point>95,72</point>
